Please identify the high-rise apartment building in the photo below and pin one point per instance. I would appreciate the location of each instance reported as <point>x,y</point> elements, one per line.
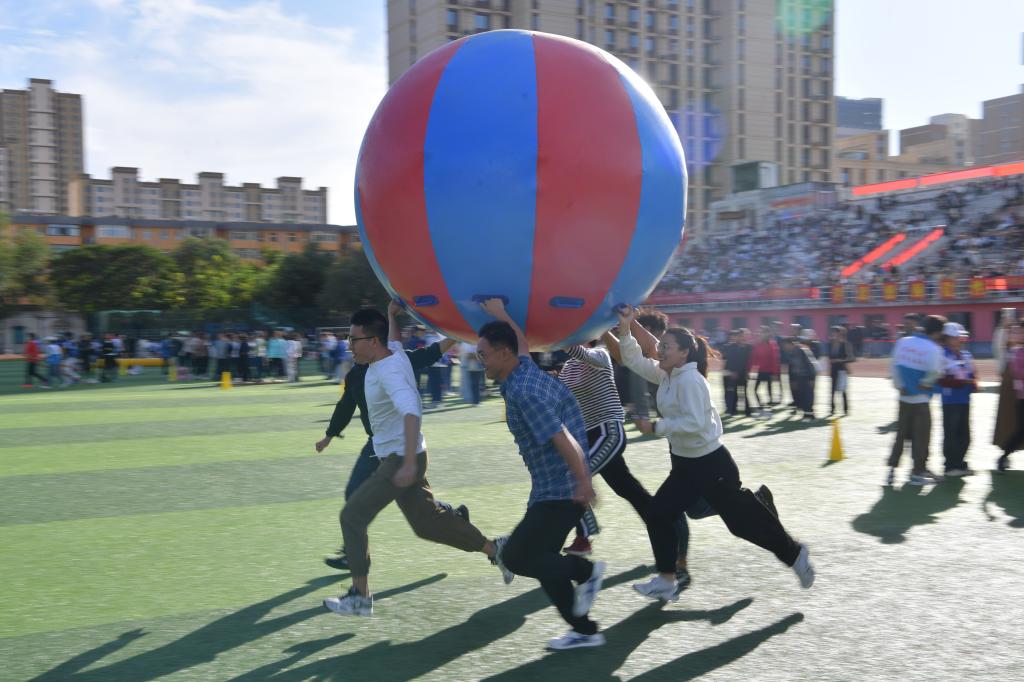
<point>125,196</point>
<point>999,135</point>
<point>742,80</point>
<point>41,140</point>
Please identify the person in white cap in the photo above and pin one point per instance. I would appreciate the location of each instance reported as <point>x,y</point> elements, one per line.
<point>958,382</point>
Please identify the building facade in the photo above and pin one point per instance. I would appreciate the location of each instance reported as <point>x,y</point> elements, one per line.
<point>999,134</point>
<point>857,116</point>
<point>742,80</point>
<point>248,240</point>
<point>125,196</point>
<point>41,140</point>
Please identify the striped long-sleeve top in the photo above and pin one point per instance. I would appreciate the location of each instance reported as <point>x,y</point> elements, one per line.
<point>588,374</point>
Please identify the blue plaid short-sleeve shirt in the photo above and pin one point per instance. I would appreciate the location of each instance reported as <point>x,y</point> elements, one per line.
<point>537,407</point>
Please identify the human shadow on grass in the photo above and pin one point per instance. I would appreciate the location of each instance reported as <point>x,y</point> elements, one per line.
<point>622,639</point>
<point>209,641</point>
<point>1007,492</point>
<point>387,662</point>
<point>900,509</point>
<point>891,427</point>
<point>788,425</point>
<point>698,663</point>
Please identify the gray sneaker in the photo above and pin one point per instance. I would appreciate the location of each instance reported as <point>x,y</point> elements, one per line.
<point>659,589</point>
<point>351,604</point>
<point>803,568</point>
<point>586,591</point>
<point>499,546</point>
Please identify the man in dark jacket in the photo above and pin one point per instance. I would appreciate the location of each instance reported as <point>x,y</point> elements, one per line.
<point>735,374</point>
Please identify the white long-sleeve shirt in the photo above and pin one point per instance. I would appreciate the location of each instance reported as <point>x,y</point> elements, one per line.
<point>689,418</point>
<point>391,394</point>
<point>916,361</point>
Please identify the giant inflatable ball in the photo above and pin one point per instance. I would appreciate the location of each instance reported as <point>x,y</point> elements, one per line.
<point>527,166</point>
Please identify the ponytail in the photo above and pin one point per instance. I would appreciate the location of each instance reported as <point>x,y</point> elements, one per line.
<point>700,351</point>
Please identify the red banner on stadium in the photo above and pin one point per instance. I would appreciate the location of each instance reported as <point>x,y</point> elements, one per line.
<point>977,287</point>
<point>947,288</point>
<point>863,293</point>
<point>917,290</point>
<point>890,290</point>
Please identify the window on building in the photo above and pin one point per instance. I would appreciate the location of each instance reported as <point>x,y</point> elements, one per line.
<point>114,231</point>
<point>482,22</point>
<point>609,11</point>
<point>452,19</point>
<point>535,22</point>
<point>609,38</point>
<point>634,41</point>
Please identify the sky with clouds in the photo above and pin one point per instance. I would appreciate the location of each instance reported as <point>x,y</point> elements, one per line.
<point>263,88</point>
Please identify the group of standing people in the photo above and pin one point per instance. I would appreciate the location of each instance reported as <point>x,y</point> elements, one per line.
<point>567,426</point>
<point>256,356</point>
<point>68,360</point>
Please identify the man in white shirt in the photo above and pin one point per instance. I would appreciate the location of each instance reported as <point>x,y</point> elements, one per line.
<point>917,363</point>
<point>394,406</point>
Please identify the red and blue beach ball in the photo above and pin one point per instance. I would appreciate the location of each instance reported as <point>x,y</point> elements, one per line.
<point>527,166</point>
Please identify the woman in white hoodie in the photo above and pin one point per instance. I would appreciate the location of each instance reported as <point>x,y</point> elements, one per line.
<point>701,464</point>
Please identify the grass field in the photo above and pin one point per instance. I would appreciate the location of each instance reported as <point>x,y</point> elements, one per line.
<point>175,531</point>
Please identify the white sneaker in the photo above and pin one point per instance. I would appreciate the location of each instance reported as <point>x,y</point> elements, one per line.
<point>658,588</point>
<point>922,479</point>
<point>351,604</point>
<point>957,473</point>
<point>803,568</point>
<point>499,546</point>
<point>586,592</point>
<point>575,640</point>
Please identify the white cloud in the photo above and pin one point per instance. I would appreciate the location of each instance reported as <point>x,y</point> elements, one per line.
<point>182,86</point>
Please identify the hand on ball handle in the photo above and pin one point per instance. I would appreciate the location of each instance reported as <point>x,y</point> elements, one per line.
<point>395,307</point>
<point>495,307</point>
<point>627,314</point>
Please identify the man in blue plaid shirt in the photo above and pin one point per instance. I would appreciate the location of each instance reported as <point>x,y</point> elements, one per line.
<point>547,425</point>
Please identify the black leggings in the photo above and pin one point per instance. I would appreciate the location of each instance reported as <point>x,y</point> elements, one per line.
<point>716,478</point>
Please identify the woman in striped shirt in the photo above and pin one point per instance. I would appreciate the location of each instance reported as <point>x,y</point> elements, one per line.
<point>589,375</point>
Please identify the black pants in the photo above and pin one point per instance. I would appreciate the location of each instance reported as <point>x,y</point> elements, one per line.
<point>32,370</point>
<point>534,550</point>
<point>277,367</point>
<point>764,377</point>
<point>834,371</point>
<point>956,434</point>
<point>243,367</point>
<point>716,478</point>
<point>802,388</point>
<point>733,388</point>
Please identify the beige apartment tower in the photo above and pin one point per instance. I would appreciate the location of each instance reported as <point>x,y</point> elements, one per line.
<point>41,147</point>
<point>742,80</point>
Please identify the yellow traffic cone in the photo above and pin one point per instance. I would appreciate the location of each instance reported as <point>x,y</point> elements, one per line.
<point>341,387</point>
<point>836,454</point>
<point>225,380</point>
<point>122,368</point>
<point>172,372</point>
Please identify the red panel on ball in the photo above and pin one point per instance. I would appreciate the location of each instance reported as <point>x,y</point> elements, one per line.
<point>588,183</point>
<point>391,195</point>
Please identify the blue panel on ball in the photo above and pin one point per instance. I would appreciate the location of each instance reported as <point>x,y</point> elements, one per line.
<point>480,162</point>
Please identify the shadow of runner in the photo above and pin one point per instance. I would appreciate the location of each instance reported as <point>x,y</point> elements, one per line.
<point>787,425</point>
<point>600,663</point>
<point>386,662</point>
<point>206,643</point>
<point>900,509</point>
<point>702,662</point>
<point>1007,492</point>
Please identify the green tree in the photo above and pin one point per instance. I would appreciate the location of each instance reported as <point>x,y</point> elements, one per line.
<point>23,259</point>
<point>351,284</point>
<point>128,276</point>
<point>209,269</point>
<point>296,283</point>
